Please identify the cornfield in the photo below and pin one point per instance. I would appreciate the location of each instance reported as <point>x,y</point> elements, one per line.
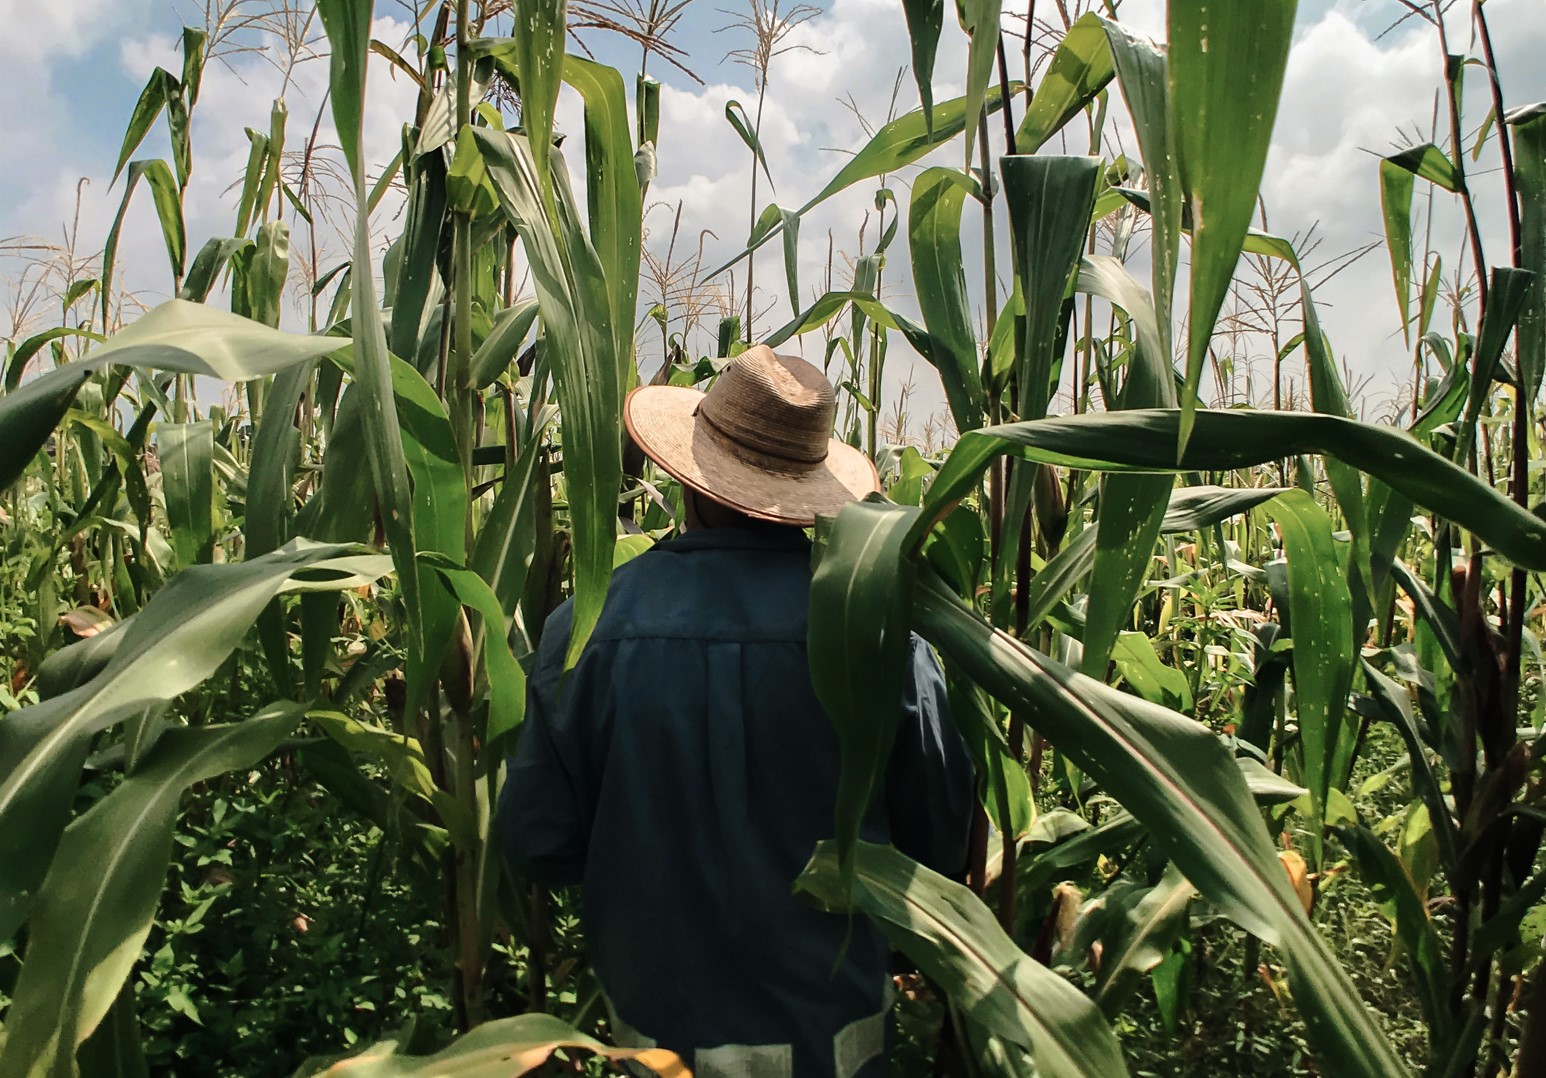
<point>1242,683</point>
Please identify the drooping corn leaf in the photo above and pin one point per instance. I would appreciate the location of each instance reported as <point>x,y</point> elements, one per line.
<point>506,681</point>
<point>1177,778</point>
<point>863,626</point>
<point>503,343</point>
<point>896,145</point>
<point>1142,440</point>
<point>956,941</point>
<point>416,284</point>
<point>1505,302</point>
<point>505,1047</point>
<point>178,639</point>
<point>189,338</point>
<point>1428,162</point>
<point>97,904</point>
<point>162,87</point>
<point>1080,68</point>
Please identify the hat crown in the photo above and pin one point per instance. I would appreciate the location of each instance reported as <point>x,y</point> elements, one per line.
<point>770,404</point>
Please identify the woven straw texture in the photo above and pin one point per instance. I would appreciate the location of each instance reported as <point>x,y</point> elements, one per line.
<point>759,441</point>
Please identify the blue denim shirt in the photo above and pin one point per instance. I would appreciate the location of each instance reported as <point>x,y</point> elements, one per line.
<point>683,774</point>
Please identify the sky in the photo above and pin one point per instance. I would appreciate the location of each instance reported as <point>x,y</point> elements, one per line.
<point>1360,83</point>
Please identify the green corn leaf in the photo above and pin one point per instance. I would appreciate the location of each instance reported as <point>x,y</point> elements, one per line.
<point>1142,440</point>
<point>207,266</point>
<point>1145,929</point>
<point>788,223</point>
<point>536,53</point>
<point>1006,791</point>
<point>1151,380</point>
<point>614,201</point>
<point>1407,909</point>
<point>980,19</point>
<point>347,23</point>
<point>402,758</point>
<point>934,245</point>
<point>1143,73</point>
<point>1529,129</point>
<point>735,113</point>
<point>828,307</point>
<point>258,161</point>
<point>958,944</point>
<point>1396,185</point>
<point>1393,703</point>
<point>896,145</point>
<point>506,681</point>
<point>169,211</point>
<point>1080,68</point>
<point>178,639</point>
<point>271,499</point>
<point>115,1048</point>
<point>187,452</point>
<point>1430,163</point>
<point>1225,77</point>
<point>863,626</point>
<point>1320,611</point>
<point>507,541</point>
<point>647,109</point>
<point>1178,779</point>
<point>96,907</point>
<point>34,344</point>
<point>573,296</point>
<point>1049,200</point>
<point>439,505</point>
<point>1126,527</point>
<point>1140,666</point>
<point>1132,506</point>
<point>925,19</point>
<point>1505,302</point>
<point>417,282</point>
<point>503,343</point>
<point>195,42</point>
<point>266,272</point>
<point>507,1046</point>
<point>161,88</point>
<point>188,338</point>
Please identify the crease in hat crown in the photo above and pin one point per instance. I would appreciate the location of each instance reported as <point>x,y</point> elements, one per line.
<point>772,406</point>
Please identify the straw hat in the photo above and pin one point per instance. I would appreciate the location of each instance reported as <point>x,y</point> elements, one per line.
<point>760,440</point>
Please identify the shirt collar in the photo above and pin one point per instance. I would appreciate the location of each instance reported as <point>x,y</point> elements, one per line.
<point>751,536</point>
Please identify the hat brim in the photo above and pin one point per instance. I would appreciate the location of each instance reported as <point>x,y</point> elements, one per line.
<point>662,423</point>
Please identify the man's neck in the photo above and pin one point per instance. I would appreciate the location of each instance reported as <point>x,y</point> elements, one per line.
<point>701,511</point>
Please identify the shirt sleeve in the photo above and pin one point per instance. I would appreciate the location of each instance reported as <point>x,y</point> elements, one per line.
<point>930,781</point>
<point>542,827</point>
